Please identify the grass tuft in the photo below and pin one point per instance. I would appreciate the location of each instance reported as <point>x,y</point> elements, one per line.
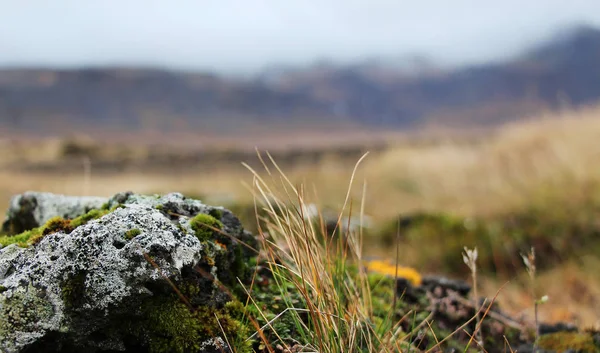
<point>335,312</point>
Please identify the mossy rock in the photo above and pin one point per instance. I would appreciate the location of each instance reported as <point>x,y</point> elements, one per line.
<point>32,209</point>
<point>116,284</point>
<point>22,311</point>
<point>205,226</point>
<point>53,225</point>
<point>166,324</point>
<point>563,341</point>
<point>132,233</point>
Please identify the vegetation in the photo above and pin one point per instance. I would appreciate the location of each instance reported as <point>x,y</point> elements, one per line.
<point>530,184</point>
<point>563,341</point>
<point>205,226</point>
<point>171,326</point>
<point>53,225</point>
<point>342,302</point>
<point>132,233</point>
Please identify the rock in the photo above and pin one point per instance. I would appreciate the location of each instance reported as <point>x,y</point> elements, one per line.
<point>596,337</point>
<point>432,282</point>
<point>32,209</point>
<point>529,348</point>
<point>108,285</point>
<point>557,327</point>
<point>407,291</point>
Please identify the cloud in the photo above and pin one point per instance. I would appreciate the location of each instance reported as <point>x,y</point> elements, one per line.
<point>245,35</point>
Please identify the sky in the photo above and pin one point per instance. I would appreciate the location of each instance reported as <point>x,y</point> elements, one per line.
<point>243,36</point>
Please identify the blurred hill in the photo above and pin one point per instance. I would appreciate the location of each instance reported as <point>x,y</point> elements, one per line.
<point>375,94</point>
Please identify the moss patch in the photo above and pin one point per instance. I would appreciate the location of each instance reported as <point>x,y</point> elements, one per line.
<point>85,218</point>
<point>20,239</point>
<point>217,213</point>
<point>168,325</point>
<point>563,341</point>
<point>204,226</point>
<point>73,290</point>
<point>23,312</point>
<point>271,295</point>
<point>132,233</point>
<point>53,225</point>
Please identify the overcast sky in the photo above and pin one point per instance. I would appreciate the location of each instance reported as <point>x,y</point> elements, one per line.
<point>240,36</point>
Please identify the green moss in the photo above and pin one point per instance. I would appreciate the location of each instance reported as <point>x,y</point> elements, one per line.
<point>239,267</point>
<point>94,214</point>
<point>382,292</point>
<point>57,224</point>
<point>35,235</point>
<point>132,233</point>
<point>53,225</point>
<point>159,207</point>
<point>3,289</point>
<point>270,298</point>
<point>562,341</point>
<point>172,327</point>
<point>217,213</point>
<point>169,325</point>
<point>73,290</point>
<point>203,226</point>
<point>22,312</point>
<point>91,215</point>
<point>20,239</point>
<point>229,324</point>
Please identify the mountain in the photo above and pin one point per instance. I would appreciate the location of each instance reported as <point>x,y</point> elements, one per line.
<point>374,93</point>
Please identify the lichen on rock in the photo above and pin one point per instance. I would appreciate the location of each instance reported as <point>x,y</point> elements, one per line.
<point>32,209</point>
<point>87,283</point>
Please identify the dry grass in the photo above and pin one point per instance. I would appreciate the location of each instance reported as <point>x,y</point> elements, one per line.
<point>337,303</point>
<point>329,273</point>
<point>573,290</point>
<point>501,174</point>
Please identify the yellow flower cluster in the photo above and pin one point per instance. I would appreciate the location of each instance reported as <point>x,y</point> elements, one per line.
<point>390,269</point>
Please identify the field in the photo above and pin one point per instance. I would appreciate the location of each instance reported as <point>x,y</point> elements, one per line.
<point>533,183</point>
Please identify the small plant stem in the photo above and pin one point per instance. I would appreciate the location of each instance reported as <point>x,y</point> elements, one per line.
<point>477,308</point>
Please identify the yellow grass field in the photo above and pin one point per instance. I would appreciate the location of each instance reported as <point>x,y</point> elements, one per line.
<point>550,160</point>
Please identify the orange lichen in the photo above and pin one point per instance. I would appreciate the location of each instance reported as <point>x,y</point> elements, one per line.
<point>390,269</point>
<point>223,246</point>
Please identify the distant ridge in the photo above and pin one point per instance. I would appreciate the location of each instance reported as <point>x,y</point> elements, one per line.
<point>563,70</point>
